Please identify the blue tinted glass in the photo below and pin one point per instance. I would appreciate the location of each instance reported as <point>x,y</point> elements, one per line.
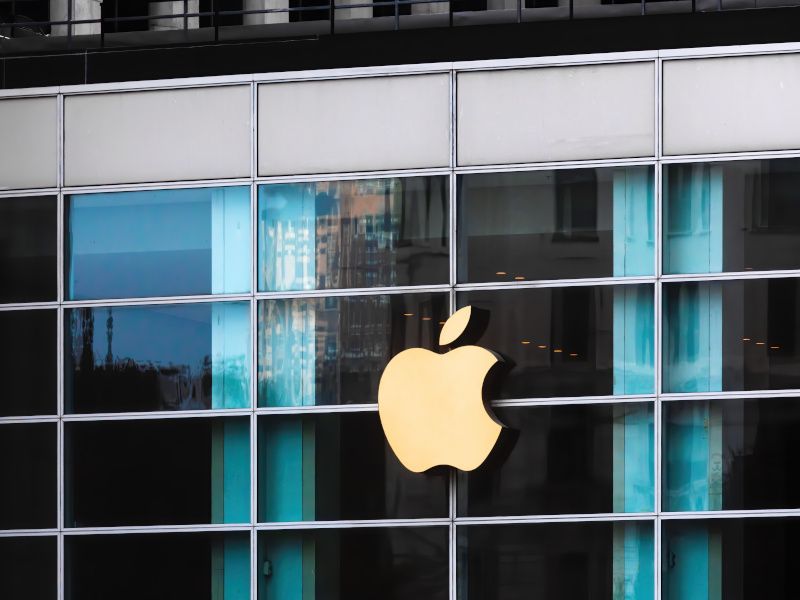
<point>157,357</point>
<point>158,243</point>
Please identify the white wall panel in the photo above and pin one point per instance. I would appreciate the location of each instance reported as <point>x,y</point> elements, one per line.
<point>29,151</point>
<point>162,135</point>
<point>362,124</point>
<point>556,114</point>
<point>733,104</point>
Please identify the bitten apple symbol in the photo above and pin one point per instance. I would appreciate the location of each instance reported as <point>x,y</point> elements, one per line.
<point>431,405</point>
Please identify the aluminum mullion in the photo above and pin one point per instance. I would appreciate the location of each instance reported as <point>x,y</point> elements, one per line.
<point>732,275</point>
<point>17,192</point>
<point>731,395</point>
<point>158,300</point>
<point>376,291</point>
<point>156,529</point>
<point>557,165</point>
<point>29,306</point>
<point>354,175</point>
<point>554,283</point>
<point>731,156</point>
<point>353,524</point>
<point>40,532</point>
<point>21,420</point>
<point>565,518</point>
<point>732,514</point>
<point>157,185</point>
<point>210,413</point>
<point>316,408</point>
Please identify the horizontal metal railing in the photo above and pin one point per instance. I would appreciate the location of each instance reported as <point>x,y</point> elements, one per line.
<point>212,16</point>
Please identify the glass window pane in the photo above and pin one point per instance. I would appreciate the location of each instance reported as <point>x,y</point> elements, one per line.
<point>570,341</point>
<point>339,466</point>
<point>157,357</point>
<point>158,243</point>
<point>28,476</point>
<point>28,244</point>
<point>28,362</point>
<point>565,460</point>
<point>200,566</point>
<point>353,234</point>
<point>157,472</point>
<point>732,216</point>
<point>741,559</point>
<point>403,563</point>
<point>731,335</point>
<point>333,350</point>
<point>557,561</point>
<point>28,568</point>
<point>731,454</point>
<point>559,224</point>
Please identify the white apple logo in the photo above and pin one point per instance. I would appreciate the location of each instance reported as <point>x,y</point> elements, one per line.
<point>431,405</point>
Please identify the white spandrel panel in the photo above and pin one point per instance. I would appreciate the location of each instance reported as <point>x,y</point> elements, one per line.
<point>556,114</point>
<point>162,135</point>
<point>363,124</point>
<point>29,151</point>
<point>734,104</point>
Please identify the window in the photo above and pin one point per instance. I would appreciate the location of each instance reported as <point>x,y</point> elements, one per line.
<point>158,243</point>
<point>157,357</point>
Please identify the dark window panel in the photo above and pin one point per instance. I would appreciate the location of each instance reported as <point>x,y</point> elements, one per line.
<point>28,476</point>
<point>157,357</point>
<point>569,341</point>
<point>735,559</point>
<point>28,568</point>
<point>732,335</point>
<point>328,467</point>
<point>731,454</point>
<point>157,472</point>
<point>556,561</point>
<point>28,362</point>
<point>565,460</point>
<point>559,224</point>
<point>200,566</point>
<point>28,245</point>
<point>404,563</point>
<point>333,350</point>
<point>353,234</point>
<point>732,216</point>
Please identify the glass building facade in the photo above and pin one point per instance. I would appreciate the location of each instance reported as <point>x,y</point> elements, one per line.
<point>191,358</point>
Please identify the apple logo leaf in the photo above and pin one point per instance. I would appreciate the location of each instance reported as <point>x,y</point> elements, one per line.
<point>455,326</point>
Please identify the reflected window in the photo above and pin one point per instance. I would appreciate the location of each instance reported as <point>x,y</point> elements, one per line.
<point>401,563</point>
<point>157,357</point>
<point>557,561</point>
<point>28,245</point>
<point>28,362</point>
<point>28,475</point>
<point>353,234</point>
<point>746,559</point>
<point>157,472</point>
<point>565,460</point>
<point>201,566</point>
<point>570,341</point>
<point>732,216</point>
<point>731,454</point>
<point>732,335</point>
<point>339,466</point>
<point>28,568</point>
<point>559,224</point>
<point>158,243</point>
<point>333,350</point>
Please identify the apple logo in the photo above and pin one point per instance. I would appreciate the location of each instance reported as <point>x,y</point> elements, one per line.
<point>431,405</point>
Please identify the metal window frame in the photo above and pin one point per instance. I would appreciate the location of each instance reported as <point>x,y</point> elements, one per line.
<point>658,399</point>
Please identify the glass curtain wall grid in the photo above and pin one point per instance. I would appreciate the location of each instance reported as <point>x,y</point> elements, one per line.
<point>214,424</point>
